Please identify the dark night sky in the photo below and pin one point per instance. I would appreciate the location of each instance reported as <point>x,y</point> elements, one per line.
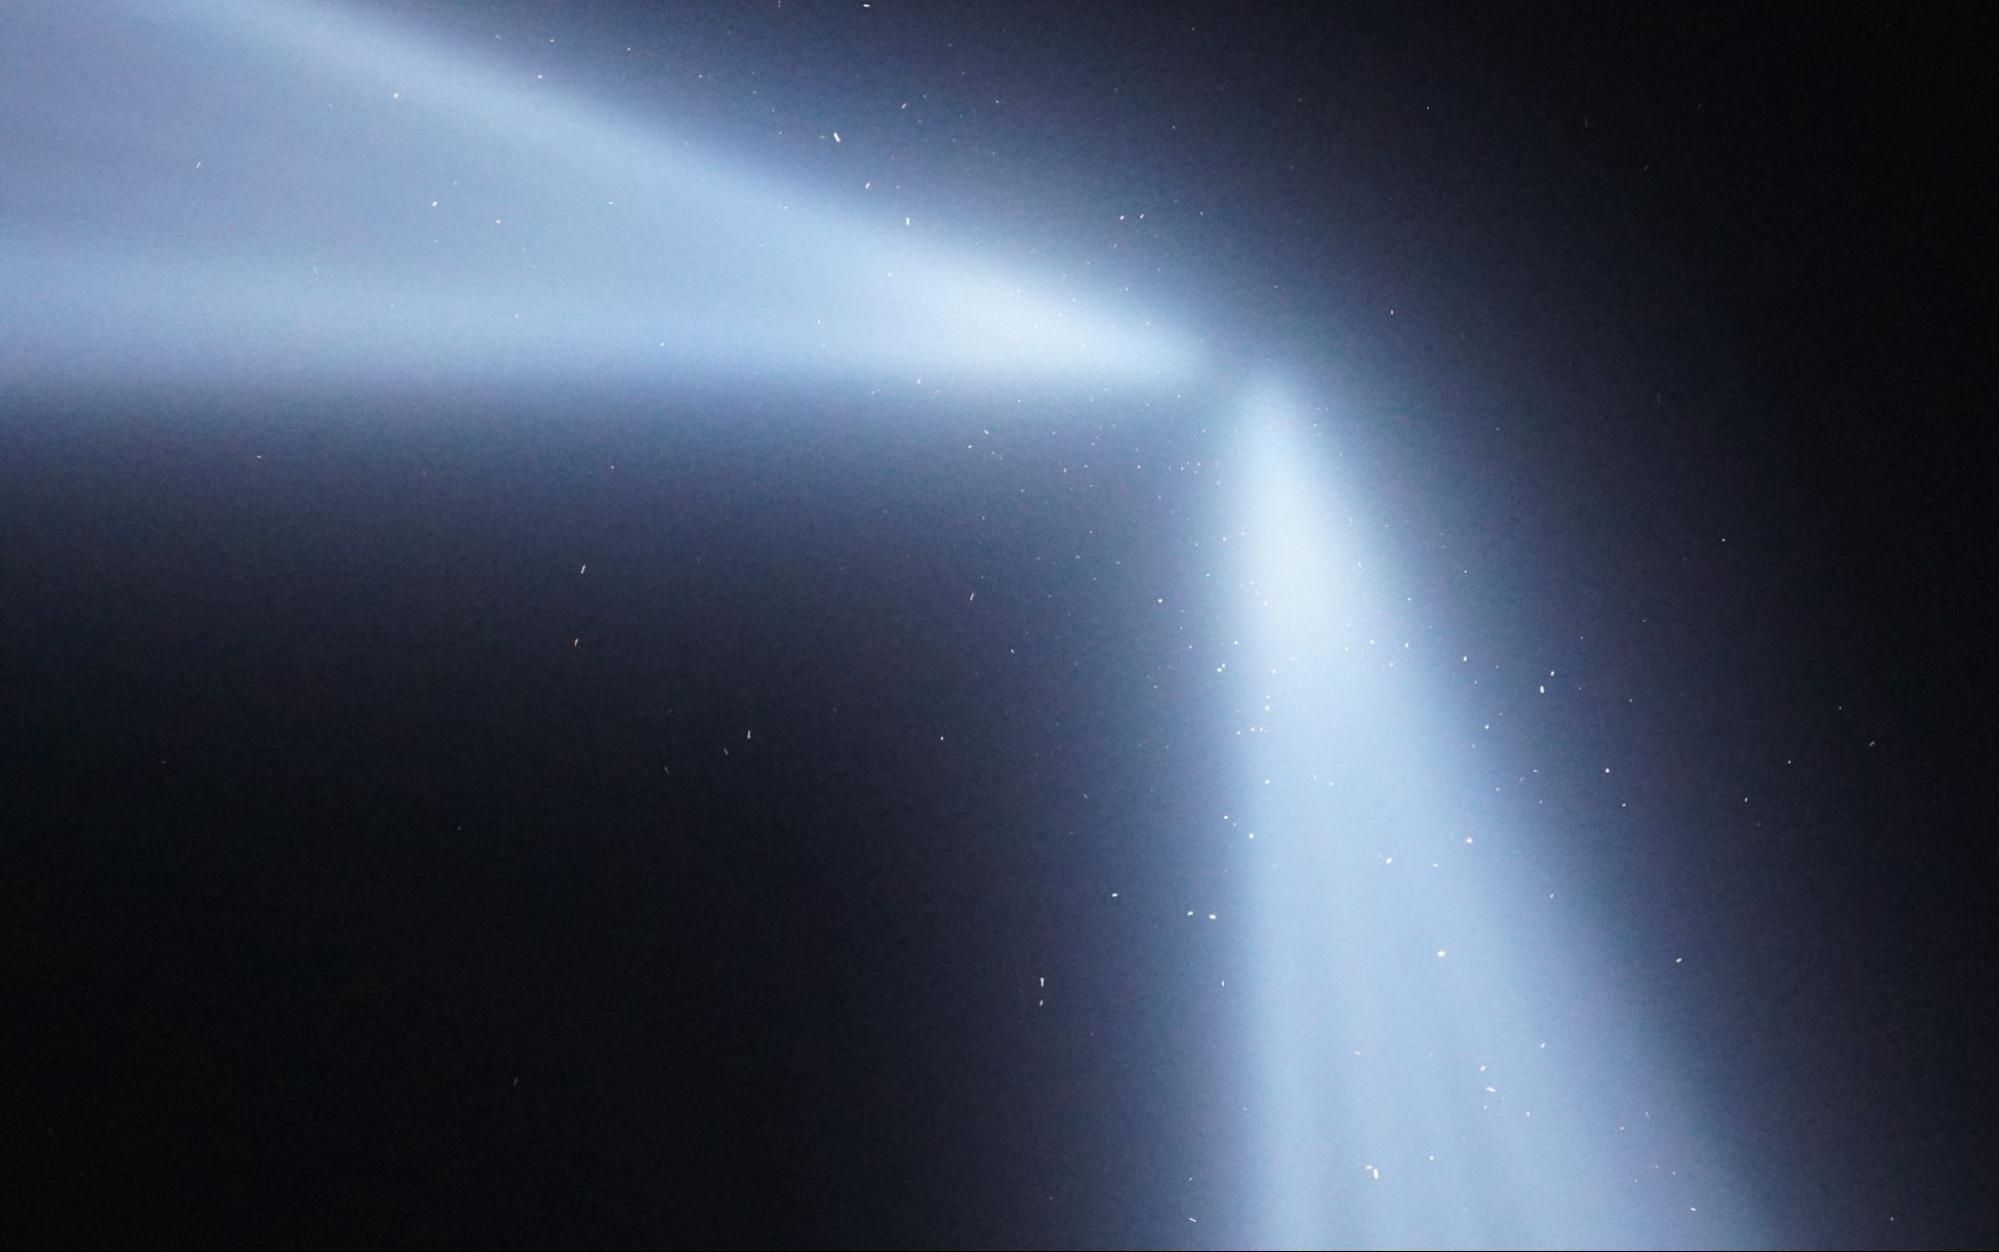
<point>375,873</point>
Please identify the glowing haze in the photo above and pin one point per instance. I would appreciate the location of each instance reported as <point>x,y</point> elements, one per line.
<point>1439,1064</point>
<point>279,190</point>
<point>257,191</point>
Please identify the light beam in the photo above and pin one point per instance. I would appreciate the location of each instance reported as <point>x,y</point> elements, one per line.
<point>262,190</point>
<point>1442,1064</point>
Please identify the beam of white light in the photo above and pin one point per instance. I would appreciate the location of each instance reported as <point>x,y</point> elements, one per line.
<point>252,188</point>
<point>1442,1064</point>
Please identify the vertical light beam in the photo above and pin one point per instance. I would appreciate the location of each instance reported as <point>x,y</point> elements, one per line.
<point>1440,1064</point>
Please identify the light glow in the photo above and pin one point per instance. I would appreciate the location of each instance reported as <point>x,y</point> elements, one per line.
<point>1441,1063</point>
<point>344,201</point>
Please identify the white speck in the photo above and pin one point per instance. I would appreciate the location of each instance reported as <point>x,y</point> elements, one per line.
<point>1442,953</point>
<point>836,136</point>
<point>585,569</point>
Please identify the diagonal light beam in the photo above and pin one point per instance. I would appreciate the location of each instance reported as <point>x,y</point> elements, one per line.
<point>250,187</point>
